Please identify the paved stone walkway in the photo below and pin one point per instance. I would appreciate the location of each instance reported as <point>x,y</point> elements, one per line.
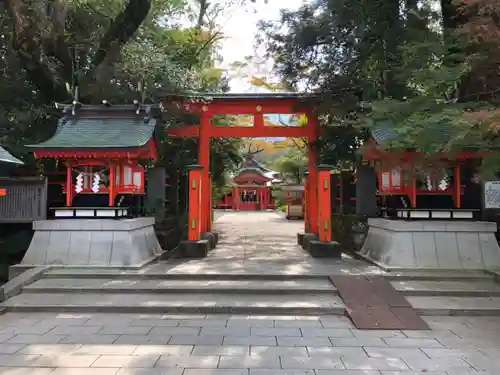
<point>261,243</point>
<point>133,344</point>
<point>65,344</point>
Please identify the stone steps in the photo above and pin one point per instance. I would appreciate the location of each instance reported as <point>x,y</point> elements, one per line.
<point>459,306</point>
<point>205,303</point>
<point>115,273</point>
<point>438,275</point>
<point>469,288</point>
<point>107,285</point>
<point>306,303</point>
<point>85,273</point>
<point>176,294</point>
<point>143,291</point>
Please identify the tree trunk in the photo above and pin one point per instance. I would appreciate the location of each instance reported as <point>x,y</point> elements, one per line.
<point>389,28</point>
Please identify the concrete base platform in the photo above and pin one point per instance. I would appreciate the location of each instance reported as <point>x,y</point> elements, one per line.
<point>309,242</point>
<point>306,239</point>
<point>431,244</point>
<point>211,238</point>
<point>300,238</point>
<point>319,249</point>
<point>194,249</point>
<point>93,242</point>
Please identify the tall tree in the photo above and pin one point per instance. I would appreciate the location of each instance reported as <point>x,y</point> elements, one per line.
<point>334,44</point>
<point>159,56</point>
<point>429,71</point>
<point>48,36</point>
<point>454,76</point>
<point>339,45</point>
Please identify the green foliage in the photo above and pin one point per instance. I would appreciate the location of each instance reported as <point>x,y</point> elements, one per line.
<point>278,195</point>
<point>224,158</point>
<point>292,165</point>
<point>121,50</point>
<point>437,116</point>
<point>436,87</point>
<point>334,44</point>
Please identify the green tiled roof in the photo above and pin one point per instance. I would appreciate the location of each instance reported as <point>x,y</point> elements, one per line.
<point>7,157</point>
<point>75,132</point>
<point>383,131</point>
<point>251,169</point>
<point>251,162</point>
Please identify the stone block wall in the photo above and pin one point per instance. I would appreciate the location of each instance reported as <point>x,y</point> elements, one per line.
<point>431,244</point>
<point>93,242</point>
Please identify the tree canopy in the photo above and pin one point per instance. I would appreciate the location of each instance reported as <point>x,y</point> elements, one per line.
<point>113,50</point>
<point>292,165</point>
<point>425,67</point>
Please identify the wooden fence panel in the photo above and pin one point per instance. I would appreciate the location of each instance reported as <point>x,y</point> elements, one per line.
<point>25,199</point>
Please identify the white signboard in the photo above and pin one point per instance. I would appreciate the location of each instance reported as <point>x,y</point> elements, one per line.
<point>492,194</point>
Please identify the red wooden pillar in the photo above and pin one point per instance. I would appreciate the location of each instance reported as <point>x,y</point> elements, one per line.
<point>307,220</point>
<point>111,189</point>
<point>69,185</point>
<point>312,207</point>
<point>210,213</point>
<point>324,204</point>
<point>236,198</point>
<point>457,187</point>
<point>194,197</point>
<point>204,161</point>
<point>261,197</point>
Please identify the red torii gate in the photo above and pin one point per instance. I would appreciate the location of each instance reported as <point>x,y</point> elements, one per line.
<point>257,105</point>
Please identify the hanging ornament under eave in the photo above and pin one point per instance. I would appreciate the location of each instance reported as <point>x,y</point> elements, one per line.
<point>79,183</point>
<point>95,183</point>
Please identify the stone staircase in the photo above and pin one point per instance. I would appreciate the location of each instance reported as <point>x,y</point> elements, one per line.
<point>93,290</point>
<point>121,292</point>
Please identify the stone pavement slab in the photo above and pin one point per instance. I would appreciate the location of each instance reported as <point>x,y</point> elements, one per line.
<point>436,352</point>
<point>150,371</point>
<point>215,372</point>
<point>270,248</point>
<point>29,370</point>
